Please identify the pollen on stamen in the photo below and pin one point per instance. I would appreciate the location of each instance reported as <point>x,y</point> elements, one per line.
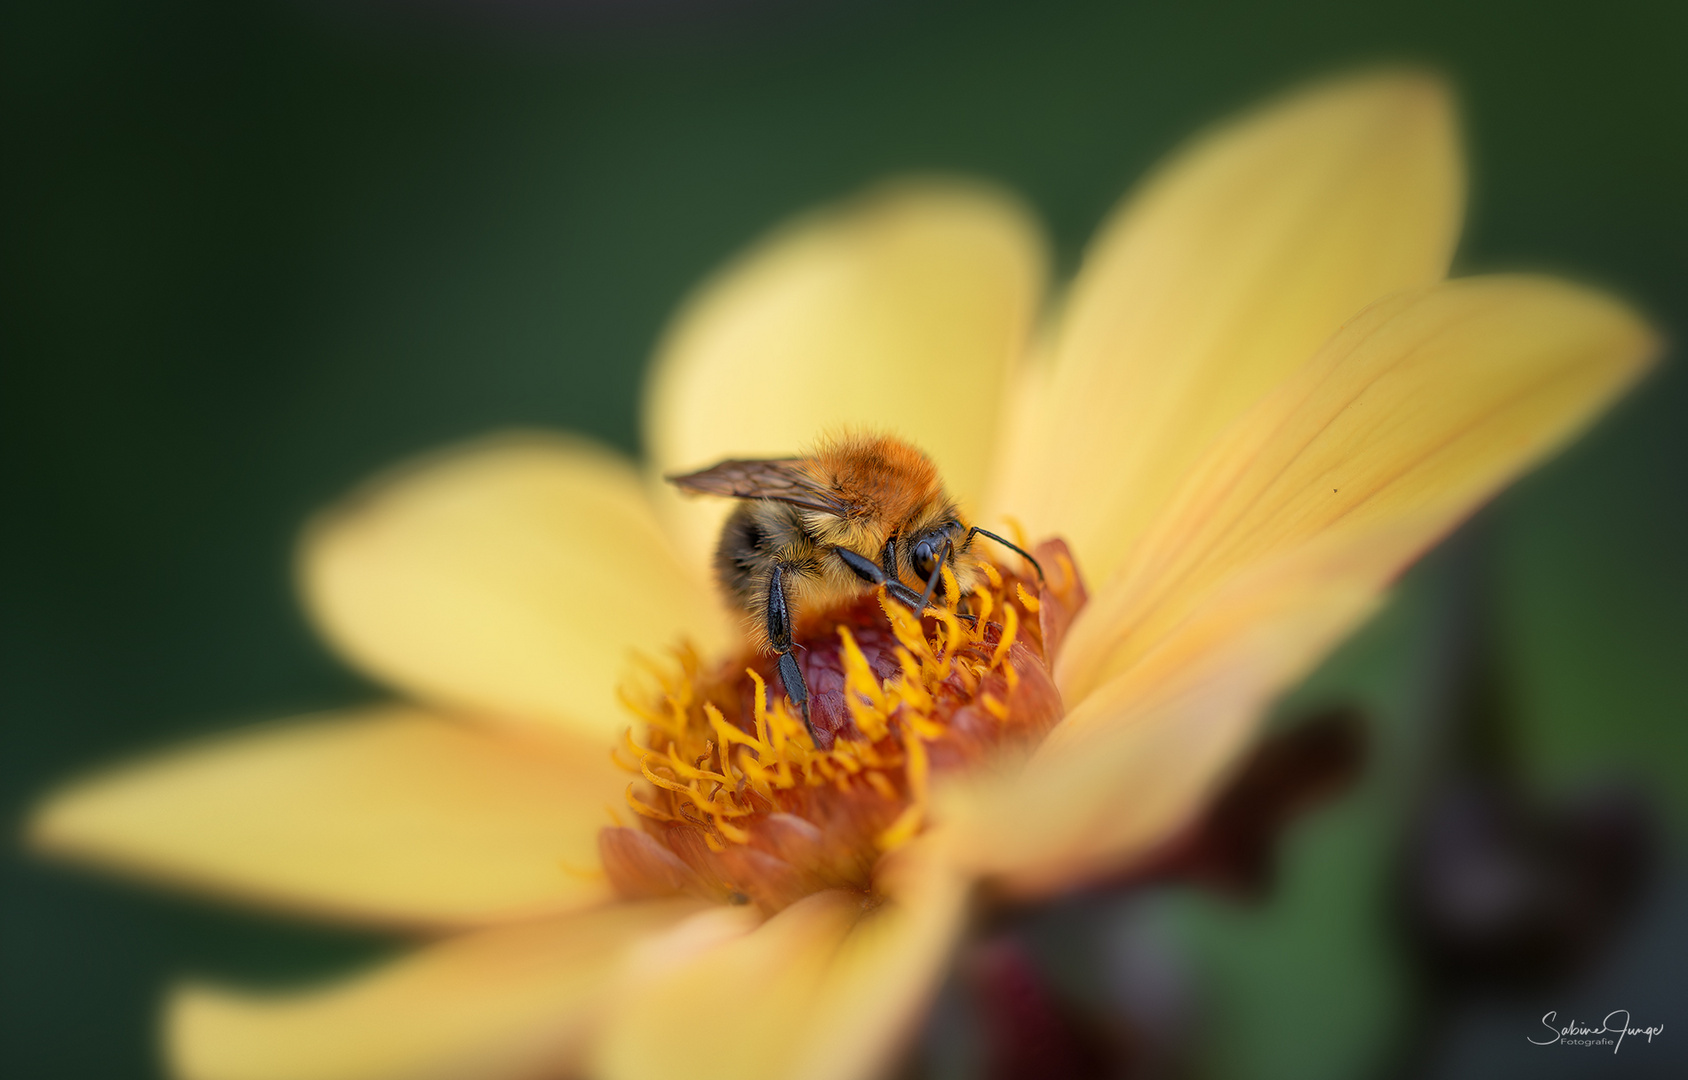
<point>732,798</point>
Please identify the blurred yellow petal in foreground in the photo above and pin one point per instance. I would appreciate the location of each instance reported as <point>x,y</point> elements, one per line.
<point>387,814</point>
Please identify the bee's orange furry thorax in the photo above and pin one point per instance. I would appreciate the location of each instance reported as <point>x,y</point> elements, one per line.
<point>888,479</point>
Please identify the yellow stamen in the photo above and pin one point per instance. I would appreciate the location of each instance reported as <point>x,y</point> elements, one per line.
<point>585,873</point>
<point>731,832</point>
<point>909,821</point>
<point>724,754</point>
<point>1069,572</point>
<point>644,810</point>
<point>1018,530</point>
<point>1010,626</point>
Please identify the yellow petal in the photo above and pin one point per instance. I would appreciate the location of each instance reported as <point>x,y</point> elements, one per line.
<point>385,814</point>
<point>1231,266</point>
<point>1281,544</point>
<point>1420,408</point>
<point>509,1002</point>
<point>824,990</point>
<point>512,578</point>
<point>1139,756</point>
<point>901,310</point>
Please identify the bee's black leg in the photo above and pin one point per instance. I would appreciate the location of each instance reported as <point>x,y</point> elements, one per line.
<point>864,569</point>
<point>797,690</point>
<point>1011,547</point>
<point>937,572</point>
<point>779,636</point>
<point>896,589</point>
<point>932,584</point>
<point>888,561</point>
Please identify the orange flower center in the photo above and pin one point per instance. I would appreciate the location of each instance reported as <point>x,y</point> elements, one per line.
<point>736,803</point>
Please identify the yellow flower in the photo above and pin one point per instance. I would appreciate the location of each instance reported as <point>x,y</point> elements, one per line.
<point>1255,405</point>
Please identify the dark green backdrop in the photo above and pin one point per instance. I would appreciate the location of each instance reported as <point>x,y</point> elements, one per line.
<point>255,251</point>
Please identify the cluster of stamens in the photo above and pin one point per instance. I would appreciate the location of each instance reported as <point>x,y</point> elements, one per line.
<point>733,798</point>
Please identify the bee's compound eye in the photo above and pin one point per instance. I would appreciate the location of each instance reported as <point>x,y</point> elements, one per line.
<point>925,559</point>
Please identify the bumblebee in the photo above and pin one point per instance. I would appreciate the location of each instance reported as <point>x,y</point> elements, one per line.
<point>860,511</point>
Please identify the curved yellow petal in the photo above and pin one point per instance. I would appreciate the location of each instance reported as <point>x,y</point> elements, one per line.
<point>512,579</point>
<point>385,814</point>
<point>1139,756</point>
<point>825,990</point>
<point>901,310</point>
<point>507,1003</point>
<point>1281,544</point>
<point>1418,409</point>
<point>1222,275</point>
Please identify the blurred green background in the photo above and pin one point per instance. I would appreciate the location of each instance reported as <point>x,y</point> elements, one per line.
<point>254,252</point>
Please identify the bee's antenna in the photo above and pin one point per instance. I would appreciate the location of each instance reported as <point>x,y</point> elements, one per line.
<point>1011,547</point>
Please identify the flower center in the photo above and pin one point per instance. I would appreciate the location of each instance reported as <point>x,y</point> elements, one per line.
<point>734,801</point>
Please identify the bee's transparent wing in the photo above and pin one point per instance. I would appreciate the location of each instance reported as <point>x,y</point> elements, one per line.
<point>788,480</point>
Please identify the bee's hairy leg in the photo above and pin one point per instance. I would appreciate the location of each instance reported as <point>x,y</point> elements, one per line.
<point>779,636</point>
<point>888,560</point>
<point>1010,546</point>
